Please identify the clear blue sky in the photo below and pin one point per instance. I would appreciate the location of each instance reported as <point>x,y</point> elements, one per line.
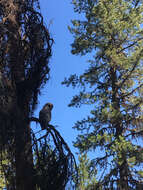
<point>57,16</point>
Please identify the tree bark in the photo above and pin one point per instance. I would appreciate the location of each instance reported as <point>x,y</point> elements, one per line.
<point>23,149</point>
<point>24,157</point>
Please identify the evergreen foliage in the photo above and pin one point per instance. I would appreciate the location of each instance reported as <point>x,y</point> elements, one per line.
<point>53,161</point>
<point>26,48</point>
<point>25,51</point>
<point>111,32</point>
<point>86,174</point>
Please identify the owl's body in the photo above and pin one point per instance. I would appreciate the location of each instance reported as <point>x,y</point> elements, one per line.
<point>45,115</point>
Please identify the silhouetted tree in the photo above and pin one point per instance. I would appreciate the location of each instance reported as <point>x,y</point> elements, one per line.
<point>25,46</point>
<point>25,51</point>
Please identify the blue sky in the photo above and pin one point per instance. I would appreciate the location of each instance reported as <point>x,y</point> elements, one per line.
<point>57,16</point>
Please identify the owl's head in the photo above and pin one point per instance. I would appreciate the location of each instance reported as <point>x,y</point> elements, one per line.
<point>48,105</point>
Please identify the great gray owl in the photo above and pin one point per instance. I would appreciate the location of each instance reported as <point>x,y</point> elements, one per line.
<point>45,115</point>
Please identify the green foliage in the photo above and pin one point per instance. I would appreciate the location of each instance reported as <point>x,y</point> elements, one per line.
<point>86,177</point>
<point>7,172</point>
<point>86,174</point>
<point>2,180</point>
<point>111,31</point>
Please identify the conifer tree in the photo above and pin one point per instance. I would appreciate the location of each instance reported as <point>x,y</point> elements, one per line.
<point>86,174</point>
<point>111,33</point>
<point>25,50</point>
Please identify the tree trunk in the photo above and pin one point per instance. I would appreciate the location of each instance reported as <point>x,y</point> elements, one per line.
<point>24,157</point>
<point>123,182</point>
<point>23,154</point>
<point>117,124</point>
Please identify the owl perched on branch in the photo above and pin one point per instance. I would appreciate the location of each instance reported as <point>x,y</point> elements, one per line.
<point>45,115</point>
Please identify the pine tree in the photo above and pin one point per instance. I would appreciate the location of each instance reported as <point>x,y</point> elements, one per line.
<point>86,174</point>
<point>111,33</point>
<point>26,47</point>
<point>25,51</point>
